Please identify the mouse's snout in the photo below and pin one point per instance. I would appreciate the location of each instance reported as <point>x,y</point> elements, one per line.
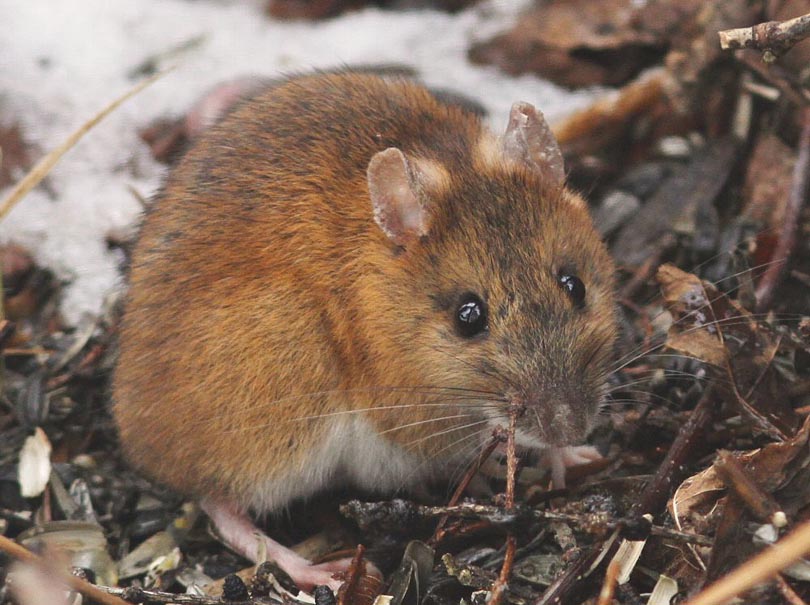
<point>555,416</point>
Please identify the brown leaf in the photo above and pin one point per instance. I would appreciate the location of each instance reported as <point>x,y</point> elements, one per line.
<point>779,469</point>
<point>576,43</point>
<point>767,181</point>
<point>717,330</point>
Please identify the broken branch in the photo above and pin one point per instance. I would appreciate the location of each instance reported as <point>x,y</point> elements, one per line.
<point>772,37</point>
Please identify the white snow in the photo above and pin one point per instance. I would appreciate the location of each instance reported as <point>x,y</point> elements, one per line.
<point>63,60</point>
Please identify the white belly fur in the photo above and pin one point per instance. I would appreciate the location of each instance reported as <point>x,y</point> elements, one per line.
<point>352,453</point>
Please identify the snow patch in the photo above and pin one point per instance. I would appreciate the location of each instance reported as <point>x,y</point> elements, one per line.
<point>63,60</point>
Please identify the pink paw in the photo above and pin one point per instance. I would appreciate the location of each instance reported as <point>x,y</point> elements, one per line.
<point>561,458</point>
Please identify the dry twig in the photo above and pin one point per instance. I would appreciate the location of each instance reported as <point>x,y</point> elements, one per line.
<point>790,595</point>
<point>673,469</point>
<point>772,37</point>
<point>494,513</point>
<point>777,77</point>
<point>609,584</point>
<point>736,479</point>
<point>440,531</point>
<point>133,594</point>
<point>499,587</point>
<point>357,569</point>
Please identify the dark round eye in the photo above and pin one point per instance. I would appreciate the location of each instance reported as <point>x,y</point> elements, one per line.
<point>575,289</point>
<point>471,316</point>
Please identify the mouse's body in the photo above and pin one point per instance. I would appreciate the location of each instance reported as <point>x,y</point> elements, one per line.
<point>349,280</point>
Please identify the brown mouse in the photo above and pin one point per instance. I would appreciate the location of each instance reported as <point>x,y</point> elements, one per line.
<point>349,280</point>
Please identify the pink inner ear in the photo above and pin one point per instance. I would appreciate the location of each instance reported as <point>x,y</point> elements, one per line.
<point>397,209</point>
<point>529,140</point>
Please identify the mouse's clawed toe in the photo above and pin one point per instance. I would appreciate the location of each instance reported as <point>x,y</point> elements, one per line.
<point>576,455</point>
<point>326,573</point>
<point>561,458</point>
<point>307,576</point>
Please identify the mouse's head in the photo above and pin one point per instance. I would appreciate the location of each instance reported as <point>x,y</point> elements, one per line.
<point>498,282</point>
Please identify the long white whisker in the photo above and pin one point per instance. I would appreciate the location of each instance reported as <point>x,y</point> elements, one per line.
<point>444,432</point>
<point>420,422</point>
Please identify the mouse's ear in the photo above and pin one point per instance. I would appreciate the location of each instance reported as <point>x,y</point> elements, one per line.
<point>391,186</point>
<point>529,140</point>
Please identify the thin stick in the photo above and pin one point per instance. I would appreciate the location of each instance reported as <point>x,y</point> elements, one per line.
<point>511,459</point>
<point>609,584</point>
<point>787,237</point>
<point>492,513</point>
<point>499,587</point>
<point>762,504</point>
<point>778,77</point>
<point>790,595</point>
<point>44,166</point>
<point>74,582</point>
<point>357,569</point>
<point>758,569</point>
<point>133,594</point>
<point>673,468</point>
<point>774,37</point>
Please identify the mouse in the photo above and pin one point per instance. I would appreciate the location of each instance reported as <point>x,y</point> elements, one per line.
<point>349,280</point>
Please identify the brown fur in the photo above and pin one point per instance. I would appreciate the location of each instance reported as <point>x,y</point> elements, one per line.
<point>264,297</point>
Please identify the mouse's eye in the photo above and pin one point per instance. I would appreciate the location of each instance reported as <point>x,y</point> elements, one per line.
<point>471,316</point>
<point>575,289</point>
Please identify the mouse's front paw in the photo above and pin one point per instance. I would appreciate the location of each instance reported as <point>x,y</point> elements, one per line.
<point>561,458</point>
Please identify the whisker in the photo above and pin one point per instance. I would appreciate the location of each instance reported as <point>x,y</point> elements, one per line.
<point>444,432</point>
<point>473,435</point>
<point>695,268</point>
<point>356,411</point>
<point>709,304</point>
<point>374,408</point>
<point>464,457</point>
<point>421,422</point>
<point>723,323</point>
<point>764,265</point>
<point>419,390</point>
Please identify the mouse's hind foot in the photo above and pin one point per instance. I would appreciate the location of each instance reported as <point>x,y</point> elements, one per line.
<point>239,533</point>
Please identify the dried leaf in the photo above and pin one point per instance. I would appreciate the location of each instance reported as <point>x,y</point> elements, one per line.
<point>779,469</point>
<point>34,468</point>
<point>626,557</point>
<point>717,330</point>
<point>410,581</point>
<point>576,43</point>
<point>82,544</point>
<point>665,589</point>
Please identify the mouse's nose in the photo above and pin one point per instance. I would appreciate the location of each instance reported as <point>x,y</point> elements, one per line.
<point>559,417</point>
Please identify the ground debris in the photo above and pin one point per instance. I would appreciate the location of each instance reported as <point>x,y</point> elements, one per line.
<point>696,167</point>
